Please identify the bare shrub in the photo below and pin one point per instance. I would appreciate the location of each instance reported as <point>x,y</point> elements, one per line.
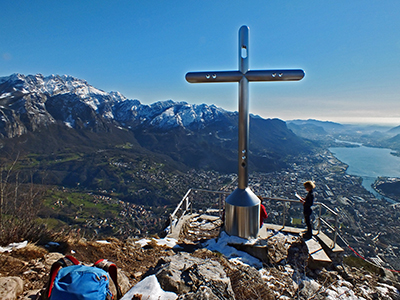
<point>20,202</point>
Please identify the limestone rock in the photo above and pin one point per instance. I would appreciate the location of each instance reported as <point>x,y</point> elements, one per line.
<point>51,258</point>
<point>279,281</point>
<point>203,293</point>
<point>123,282</point>
<point>10,287</point>
<point>247,283</point>
<point>309,288</point>
<point>280,245</point>
<point>183,273</point>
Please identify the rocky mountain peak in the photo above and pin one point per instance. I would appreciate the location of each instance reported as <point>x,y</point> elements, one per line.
<point>30,101</point>
<point>49,85</point>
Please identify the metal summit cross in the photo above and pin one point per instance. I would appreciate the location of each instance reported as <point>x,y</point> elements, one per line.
<point>242,207</point>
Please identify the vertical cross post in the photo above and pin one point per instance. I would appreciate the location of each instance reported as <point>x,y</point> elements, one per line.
<point>243,175</point>
<point>242,207</point>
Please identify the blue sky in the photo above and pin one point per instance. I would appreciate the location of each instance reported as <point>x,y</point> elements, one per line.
<point>349,50</point>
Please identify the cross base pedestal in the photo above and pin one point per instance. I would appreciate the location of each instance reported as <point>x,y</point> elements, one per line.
<point>242,213</point>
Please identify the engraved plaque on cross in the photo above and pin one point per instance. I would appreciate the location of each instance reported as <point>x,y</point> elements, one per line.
<point>242,206</point>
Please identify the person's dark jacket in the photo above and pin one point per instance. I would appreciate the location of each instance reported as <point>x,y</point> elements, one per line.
<point>309,201</point>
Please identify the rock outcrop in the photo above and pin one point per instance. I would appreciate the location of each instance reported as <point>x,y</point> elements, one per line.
<point>183,273</point>
<point>11,287</point>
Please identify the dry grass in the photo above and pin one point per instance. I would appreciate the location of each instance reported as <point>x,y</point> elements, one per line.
<point>28,262</point>
<point>31,251</point>
<point>127,256</point>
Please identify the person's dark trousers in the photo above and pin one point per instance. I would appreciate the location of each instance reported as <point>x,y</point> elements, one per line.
<point>307,219</point>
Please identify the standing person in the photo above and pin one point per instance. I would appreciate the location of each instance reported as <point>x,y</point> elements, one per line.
<point>308,201</point>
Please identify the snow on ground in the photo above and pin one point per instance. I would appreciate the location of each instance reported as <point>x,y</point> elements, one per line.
<point>221,245</point>
<point>103,242</point>
<point>168,242</point>
<point>385,288</point>
<point>150,289</point>
<point>13,246</point>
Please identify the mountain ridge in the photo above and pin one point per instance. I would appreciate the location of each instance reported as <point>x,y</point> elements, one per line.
<point>77,104</point>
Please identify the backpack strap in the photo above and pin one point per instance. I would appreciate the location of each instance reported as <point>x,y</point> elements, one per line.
<point>61,263</point>
<point>111,269</point>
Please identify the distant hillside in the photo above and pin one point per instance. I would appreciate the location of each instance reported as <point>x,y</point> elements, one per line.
<point>394,130</point>
<point>393,143</point>
<point>329,134</point>
<point>309,131</point>
<point>311,123</point>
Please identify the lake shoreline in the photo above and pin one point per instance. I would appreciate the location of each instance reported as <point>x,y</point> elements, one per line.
<point>388,187</point>
<point>369,163</point>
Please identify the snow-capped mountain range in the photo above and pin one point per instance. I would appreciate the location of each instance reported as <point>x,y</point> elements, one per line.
<point>30,101</point>
<point>65,115</point>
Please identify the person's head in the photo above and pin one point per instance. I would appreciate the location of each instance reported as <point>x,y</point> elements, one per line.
<point>309,185</point>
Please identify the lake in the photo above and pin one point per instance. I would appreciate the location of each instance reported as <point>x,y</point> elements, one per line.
<point>369,163</point>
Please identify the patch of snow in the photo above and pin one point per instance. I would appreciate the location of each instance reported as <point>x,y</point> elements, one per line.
<point>93,103</point>
<point>108,115</point>
<point>234,255</point>
<point>13,246</point>
<point>289,270</point>
<point>69,122</point>
<point>149,289</point>
<point>168,242</point>
<point>384,289</point>
<point>342,290</point>
<point>5,95</point>
<point>103,242</point>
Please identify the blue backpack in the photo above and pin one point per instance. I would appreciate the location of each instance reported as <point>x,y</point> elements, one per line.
<point>70,280</point>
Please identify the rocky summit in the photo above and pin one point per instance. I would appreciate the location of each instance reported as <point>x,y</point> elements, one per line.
<point>206,268</point>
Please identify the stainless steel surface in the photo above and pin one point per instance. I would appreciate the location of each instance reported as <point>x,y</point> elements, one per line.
<point>243,147</point>
<point>243,76</point>
<point>244,49</point>
<point>224,76</point>
<point>275,75</point>
<point>242,213</point>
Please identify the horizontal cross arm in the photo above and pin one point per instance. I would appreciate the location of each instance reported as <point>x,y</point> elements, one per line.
<point>253,75</point>
<point>222,76</point>
<point>274,75</point>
